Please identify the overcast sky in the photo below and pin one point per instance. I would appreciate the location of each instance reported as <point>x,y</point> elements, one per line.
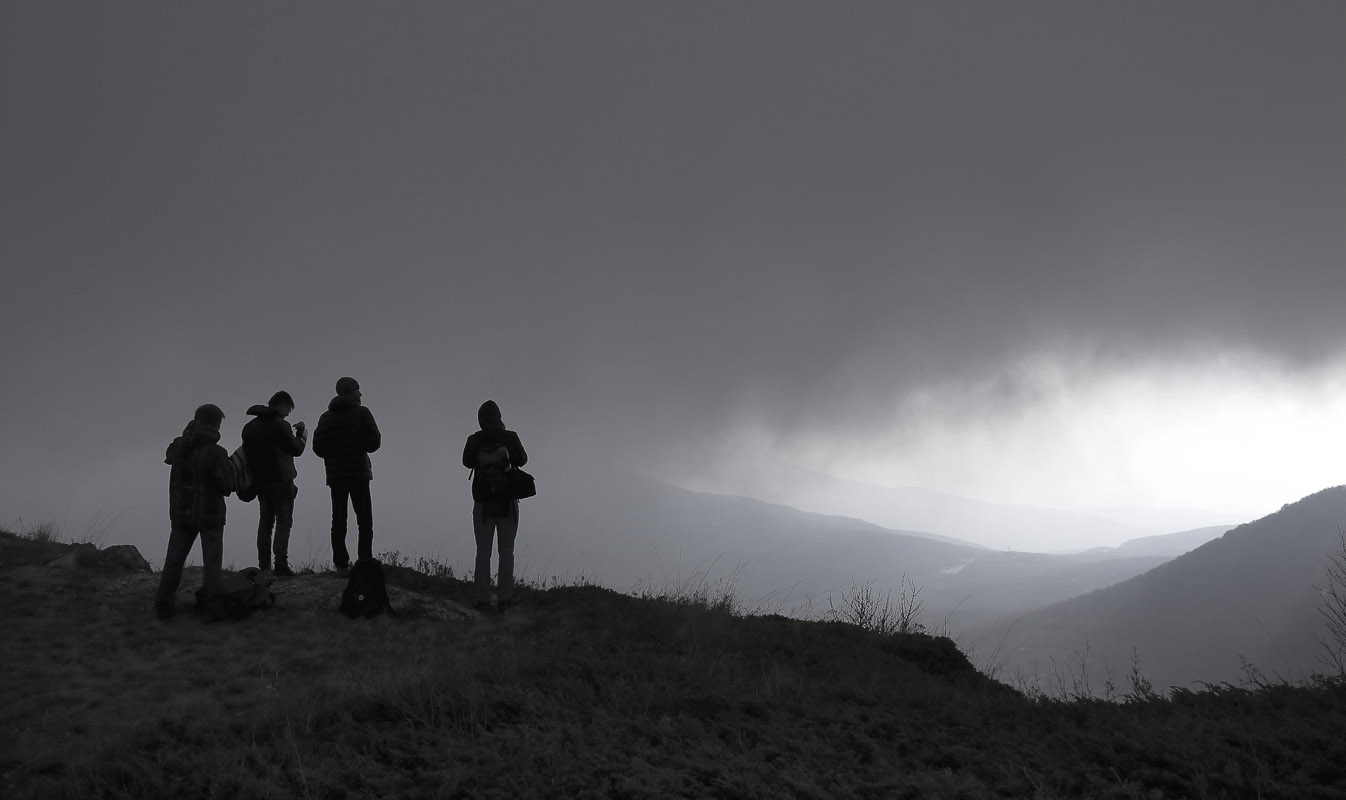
<point>1054,253</point>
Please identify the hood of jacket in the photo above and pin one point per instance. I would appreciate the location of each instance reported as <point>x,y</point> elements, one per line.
<point>488,416</point>
<point>195,435</point>
<point>344,401</point>
<point>193,438</point>
<point>261,410</point>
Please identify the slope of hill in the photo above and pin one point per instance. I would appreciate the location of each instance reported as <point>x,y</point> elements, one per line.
<point>581,692</point>
<point>1248,595</point>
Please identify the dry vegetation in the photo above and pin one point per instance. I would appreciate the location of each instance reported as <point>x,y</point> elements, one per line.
<point>583,692</point>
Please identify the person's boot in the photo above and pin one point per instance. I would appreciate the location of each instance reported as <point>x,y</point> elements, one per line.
<point>283,570</point>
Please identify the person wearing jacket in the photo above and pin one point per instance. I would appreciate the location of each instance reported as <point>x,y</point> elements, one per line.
<point>490,453</point>
<point>345,436</point>
<point>271,446</point>
<point>198,482</point>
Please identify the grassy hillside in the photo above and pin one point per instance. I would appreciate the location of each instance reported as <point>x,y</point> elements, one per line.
<point>580,692</point>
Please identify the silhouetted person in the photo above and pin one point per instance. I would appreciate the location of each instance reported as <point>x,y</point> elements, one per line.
<point>198,482</point>
<point>345,436</point>
<point>271,445</point>
<point>490,453</point>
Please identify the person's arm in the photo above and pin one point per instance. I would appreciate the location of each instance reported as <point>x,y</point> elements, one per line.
<point>469,452</point>
<point>373,439</point>
<point>221,477</point>
<point>320,437</point>
<point>286,441</point>
<point>517,455</point>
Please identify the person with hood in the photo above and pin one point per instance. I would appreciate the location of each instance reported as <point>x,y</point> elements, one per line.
<point>345,436</point>
<point>198,482</point>
<point>271,446</point>
<point>491,453</point>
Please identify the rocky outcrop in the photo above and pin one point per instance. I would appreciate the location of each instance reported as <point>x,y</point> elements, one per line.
<point>117,558</point>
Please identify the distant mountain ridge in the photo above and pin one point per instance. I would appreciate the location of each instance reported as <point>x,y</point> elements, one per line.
<point>1250,594</point>
<point>994,525</point>
<point>1171,545</point>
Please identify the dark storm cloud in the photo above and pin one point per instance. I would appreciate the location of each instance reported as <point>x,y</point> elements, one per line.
<point>668,218</point>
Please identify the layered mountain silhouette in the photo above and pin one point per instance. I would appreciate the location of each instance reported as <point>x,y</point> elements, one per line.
<point>1249,597</point>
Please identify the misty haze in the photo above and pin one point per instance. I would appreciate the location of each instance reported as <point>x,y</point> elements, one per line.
<point>1023,317</point>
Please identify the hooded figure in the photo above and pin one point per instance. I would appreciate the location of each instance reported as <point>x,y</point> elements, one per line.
<point>345,436</point>
<point>271,446</point>
<point>490,453</point>
<point>198,482</point>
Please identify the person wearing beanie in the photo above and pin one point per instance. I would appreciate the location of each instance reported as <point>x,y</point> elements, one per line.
<point>198,482</point>
<point>271,445</point>
<point>491,453</point>
<point>345,436</point>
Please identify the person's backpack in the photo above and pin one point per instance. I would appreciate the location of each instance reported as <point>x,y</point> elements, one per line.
<point>492,484</point>
<point>366,592</point>
<point>241,476</point>
<point>241,593</point>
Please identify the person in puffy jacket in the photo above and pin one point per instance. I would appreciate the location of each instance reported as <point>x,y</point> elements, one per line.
<point>271,446</point>
<point>491,453</point>
<point>345,436</point>
<point>198,482</point>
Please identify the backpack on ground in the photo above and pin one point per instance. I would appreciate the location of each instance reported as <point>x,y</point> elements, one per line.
<point>241,593</point>
<point>241,477</point>
<point>366,592</point>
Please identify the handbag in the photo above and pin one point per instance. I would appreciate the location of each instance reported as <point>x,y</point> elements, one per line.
<point>521,484</point>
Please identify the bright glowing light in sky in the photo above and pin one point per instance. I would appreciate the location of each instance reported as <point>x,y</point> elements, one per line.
<point>1229,435</point>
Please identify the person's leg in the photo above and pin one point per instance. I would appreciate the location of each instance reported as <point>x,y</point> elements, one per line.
<point>212,558</point>
<point>364,519</point>
<point>507,528</point>
<point>212,589</point>
<point>341,558</point>
<point>267,506</point>
<point>179,546</point>
<point>483,528</point>
<point>283,500</point>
